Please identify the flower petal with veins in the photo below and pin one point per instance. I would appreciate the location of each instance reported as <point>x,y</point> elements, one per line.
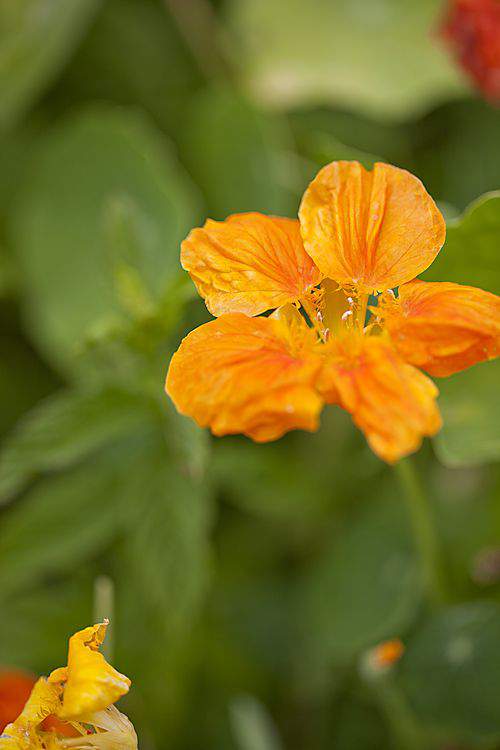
<point>390,401</point>
<point>250,375</point>
<point>370,230</point>
<point>248,263</point>
<point>442,327</point>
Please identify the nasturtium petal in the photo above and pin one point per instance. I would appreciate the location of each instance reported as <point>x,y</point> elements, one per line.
<point>92,684</point>
<point>255,376</point>
<point>370,230</point>
<point>248,263</point>
<point>443,327</point>
<point>392,402</point>
<point>21,734</point>
<point>43,701</point>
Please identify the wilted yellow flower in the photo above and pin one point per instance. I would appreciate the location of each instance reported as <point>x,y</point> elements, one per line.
<point>82,695</point>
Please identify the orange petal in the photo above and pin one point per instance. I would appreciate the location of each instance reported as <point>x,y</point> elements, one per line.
<point>389,400</point>
<point>370,230</point>
<point>249,263</point>
<point>443,327</point>
<point>250,375</point>
<point>92,684</point>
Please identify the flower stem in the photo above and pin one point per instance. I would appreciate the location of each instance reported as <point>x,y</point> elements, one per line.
<point>104,596</point>
<point>424,529</point>
<point>362,304</point>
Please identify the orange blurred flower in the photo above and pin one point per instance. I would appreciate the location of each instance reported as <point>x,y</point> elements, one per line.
<point>472,30</point>
<point>386,654</point>
<point>15,689</point>
<point>73,707</point>
<point>359,233</point>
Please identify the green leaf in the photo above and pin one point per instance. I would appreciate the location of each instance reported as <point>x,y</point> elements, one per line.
<point>168,552</point>
<point>451,672</point>
<point>365,586</point>
<point>64,429</point>
<point>381,57</point>
<point>35,625</point>
<point>61,226</point>
<point>237,155</point>
<point>456,151</point>
<point>132,55</point>
<point>24,380</point>
<point>304,478</point>
<point>62,522</point>
<point>357,725</point>
<point>36,39</point>
<point>469,405</point>
<point>470,254</point>
<point>252,725</point>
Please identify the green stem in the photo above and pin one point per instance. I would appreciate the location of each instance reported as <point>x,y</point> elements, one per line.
<point>104,596</point>
<point>406,732</point>
<point>424,529</point>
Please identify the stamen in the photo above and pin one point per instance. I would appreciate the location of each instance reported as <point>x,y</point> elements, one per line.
<point>346,315</point>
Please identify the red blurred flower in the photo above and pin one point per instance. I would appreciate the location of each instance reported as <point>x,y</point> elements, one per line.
<point>15,689</point>
<point>472,29</point>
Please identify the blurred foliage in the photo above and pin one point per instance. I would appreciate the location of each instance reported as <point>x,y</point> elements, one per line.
<point>344,53</point>
<point>249,580</point>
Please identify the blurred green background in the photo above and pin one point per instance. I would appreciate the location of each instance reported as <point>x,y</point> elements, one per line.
<point>245,582</point>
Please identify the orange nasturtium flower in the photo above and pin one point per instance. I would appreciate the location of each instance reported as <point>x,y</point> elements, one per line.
<point>359,233</point>
<point>73,707</point>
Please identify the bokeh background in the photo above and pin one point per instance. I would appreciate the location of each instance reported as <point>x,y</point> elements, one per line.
<point>246,584</point>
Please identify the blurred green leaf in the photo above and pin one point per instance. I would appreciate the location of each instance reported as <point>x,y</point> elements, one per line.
<point>356,725</point>
<point>64,429</point>
<point>35,625</point>
<point>469,405</point>
<point>23,380</point>
<point>456,151</point>
<point>468,517</point>
<point>132,55</point>
<point>451,672</point>
<point>168,552</point>
<point>325,148</point>
<point>36,39</point>
<point>238,155</point>
<point>61,222</point>
<point>381,57</point>
<point>252,725</point>
<point>365,586</point>
<point>322,133</point>
<point>161,571</point>
<point>470,254</point>
<point>300,478</point>
<point>63,521</point>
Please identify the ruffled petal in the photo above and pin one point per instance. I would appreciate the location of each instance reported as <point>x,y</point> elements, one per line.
<point>43,701</point>
<point>370,230</point>
<point>443,327</point>
<point>390,401</point>
<point>21,734</point>
<point>248,375</point>
<point>92,684</point>
<point>248,263</point>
